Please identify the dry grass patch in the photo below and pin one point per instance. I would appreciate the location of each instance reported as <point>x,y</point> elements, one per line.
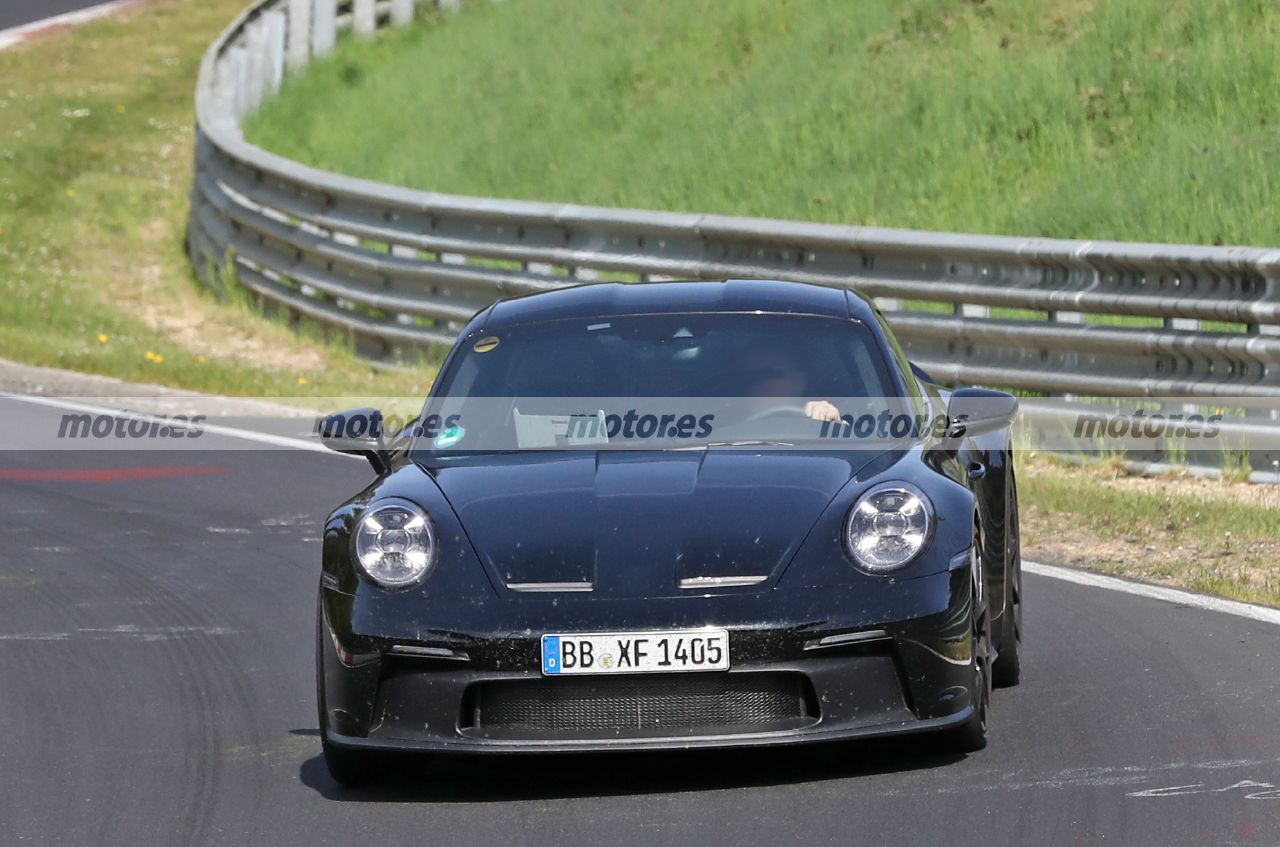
<point>1205,535</point>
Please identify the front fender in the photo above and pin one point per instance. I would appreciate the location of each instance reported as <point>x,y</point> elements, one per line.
<point>821,559</point>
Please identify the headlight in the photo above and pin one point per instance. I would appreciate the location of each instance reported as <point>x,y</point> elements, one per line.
<point>395,544</point>
<point>888,527</point>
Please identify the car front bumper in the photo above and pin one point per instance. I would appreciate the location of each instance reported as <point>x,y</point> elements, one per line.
<point>853,674</point>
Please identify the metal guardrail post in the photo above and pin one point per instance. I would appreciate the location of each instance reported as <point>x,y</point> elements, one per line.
<point>298,52</point>
<point>276,23</point>
<point>401,12</point>
<point>239,73</point>
<point>324,27</point>
<point>256,73</point>
<point>363,17</point>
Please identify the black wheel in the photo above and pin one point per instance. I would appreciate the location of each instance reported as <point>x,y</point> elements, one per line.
<point>347,767</point>
<point>971,736</point>
<point>1007,669</point>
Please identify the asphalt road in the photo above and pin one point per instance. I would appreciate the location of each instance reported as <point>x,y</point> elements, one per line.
<point>19,12</point>
<point>156,614</point>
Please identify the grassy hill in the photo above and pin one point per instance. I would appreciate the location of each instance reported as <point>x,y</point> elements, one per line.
<point>1130,119</point>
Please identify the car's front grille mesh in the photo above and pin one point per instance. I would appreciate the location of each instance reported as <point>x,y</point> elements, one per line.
<point>642,703</point>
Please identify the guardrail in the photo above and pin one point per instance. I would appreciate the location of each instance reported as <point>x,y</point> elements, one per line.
<point>397,270</point>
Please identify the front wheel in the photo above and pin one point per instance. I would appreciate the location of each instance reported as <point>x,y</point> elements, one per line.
<point>971,736</point>
<point>1007,670</point>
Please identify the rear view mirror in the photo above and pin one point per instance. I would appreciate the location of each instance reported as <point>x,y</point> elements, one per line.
<point>356,432</point>
<point>975,411</point>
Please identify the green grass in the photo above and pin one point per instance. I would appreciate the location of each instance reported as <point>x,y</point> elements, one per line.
<point>1111,119</point>
<point>95,166</point>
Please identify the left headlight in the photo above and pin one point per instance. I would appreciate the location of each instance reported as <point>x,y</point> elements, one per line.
<point>888,527</point>
<point>395,544</point>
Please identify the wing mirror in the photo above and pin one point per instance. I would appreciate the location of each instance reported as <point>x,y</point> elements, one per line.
<point>976,411</point>
<point>356,432</point>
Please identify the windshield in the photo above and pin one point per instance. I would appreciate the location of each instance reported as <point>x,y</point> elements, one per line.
<point>702,378</point>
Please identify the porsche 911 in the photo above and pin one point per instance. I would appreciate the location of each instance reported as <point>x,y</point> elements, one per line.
<point>670,515</point>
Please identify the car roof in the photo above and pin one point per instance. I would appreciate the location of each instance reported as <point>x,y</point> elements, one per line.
<point>639,298</point>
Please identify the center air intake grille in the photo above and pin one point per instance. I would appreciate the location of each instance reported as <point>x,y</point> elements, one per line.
<point>716,702</point>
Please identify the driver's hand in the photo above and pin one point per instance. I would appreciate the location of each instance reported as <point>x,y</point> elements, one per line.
<point>822,410</point>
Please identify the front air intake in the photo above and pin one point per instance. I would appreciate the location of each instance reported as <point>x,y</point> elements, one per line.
<point>640,705</point>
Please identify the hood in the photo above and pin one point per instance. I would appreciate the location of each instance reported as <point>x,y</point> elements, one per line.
<point>641,524</point>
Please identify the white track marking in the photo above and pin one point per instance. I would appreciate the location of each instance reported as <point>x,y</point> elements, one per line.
<point>17,34</point>
<point>1156,592</point>
<point>130,631</point>
<point>212,429</point>
<point>1264,614</point>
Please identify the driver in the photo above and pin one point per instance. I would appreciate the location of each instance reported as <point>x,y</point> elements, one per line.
<point>772,372</point>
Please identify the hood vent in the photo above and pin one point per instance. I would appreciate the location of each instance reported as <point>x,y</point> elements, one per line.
<point>542,587</point>
<point>695,582</point>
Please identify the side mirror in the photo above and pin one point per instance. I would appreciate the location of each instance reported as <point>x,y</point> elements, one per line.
<point>356,432</point>
<point>976,411</point>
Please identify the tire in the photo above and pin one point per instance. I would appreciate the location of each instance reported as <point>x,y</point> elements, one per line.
<point>1006,672</point>
<point>971,736</point>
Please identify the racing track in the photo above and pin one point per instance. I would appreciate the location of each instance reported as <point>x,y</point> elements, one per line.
<point>156,614</point>
<point>18,12</point>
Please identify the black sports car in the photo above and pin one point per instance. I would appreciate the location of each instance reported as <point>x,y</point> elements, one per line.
<point>668,515</point>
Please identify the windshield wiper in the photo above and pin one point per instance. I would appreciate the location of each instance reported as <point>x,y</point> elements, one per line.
<point>746,442</point>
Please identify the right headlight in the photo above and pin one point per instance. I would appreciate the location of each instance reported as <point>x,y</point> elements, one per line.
<point>395,543</point>
<point>888,527</point>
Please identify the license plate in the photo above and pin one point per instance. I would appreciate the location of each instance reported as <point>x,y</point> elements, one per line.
<point>635,652</point>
